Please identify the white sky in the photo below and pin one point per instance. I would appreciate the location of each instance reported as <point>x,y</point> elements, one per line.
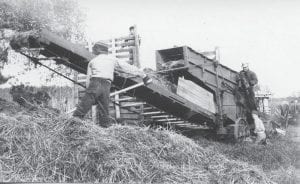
<point>265,33</point>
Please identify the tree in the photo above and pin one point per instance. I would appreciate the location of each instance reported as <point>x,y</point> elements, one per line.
<point>62,17</point>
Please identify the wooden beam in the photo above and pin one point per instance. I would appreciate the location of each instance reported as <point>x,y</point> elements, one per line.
<point>124,56</point>
<point>133,104</point>
<point>124,38</point>
<point>149,108</point>
<point>126,99</point>
<point>155,112</point>
<point>162,116</point>
<point>125,44</point>
<point>167,119</point>
<point>176,122</point>
<point>117,107</point>
<point>123,50</point>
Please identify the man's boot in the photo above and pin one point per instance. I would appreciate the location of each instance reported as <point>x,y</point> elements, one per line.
<point>260,137</point>
<point>105,122</point>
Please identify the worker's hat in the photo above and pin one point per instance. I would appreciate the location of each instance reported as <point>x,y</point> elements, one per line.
<point>245,65</point>
<point>100,46</point>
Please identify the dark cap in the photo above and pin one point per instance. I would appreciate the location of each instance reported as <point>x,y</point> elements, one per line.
<point>100,47</point>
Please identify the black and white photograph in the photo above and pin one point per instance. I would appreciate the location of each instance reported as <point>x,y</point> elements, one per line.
<point>150,91</point>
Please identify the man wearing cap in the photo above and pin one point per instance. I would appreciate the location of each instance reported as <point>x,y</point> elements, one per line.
<point>100,74</point>
<point>247,81</point>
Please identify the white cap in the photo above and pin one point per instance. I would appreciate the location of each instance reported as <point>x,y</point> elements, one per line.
<point>244,65</point>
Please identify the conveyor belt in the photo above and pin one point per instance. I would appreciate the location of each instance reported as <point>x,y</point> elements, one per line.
<point>77,58</point>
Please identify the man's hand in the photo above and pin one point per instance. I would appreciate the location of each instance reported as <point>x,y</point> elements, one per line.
<point>147,80</point>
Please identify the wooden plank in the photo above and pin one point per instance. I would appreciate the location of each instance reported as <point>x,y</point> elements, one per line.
<point>151,113</point>
<point>136,111</point>
<point>123,50</point>
<point>126,99</point>
<point>177,122</point>
<point>199,100</point>
<point>149,108</point>
<point>136,52</point>
<point>117,107</point>
<point>124,38</point>
<point>124,56</point>
<point>130,116</point>
<point>125,44</point>
<point>132,104</point>
<point>167,119</point>
<point>196,94</point>
<point>161,116</point>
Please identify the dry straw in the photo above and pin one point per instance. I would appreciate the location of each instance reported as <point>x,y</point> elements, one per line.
<point>42,148</point>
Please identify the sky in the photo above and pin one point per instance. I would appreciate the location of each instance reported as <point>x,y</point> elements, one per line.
<point>264,33</point>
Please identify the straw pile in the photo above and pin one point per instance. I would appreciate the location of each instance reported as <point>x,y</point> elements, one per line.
<point>161,79</point>
<point>60,149</point>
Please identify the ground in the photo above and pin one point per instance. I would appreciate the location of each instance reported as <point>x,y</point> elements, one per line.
<point>39,145</point>
<point>294,133</point>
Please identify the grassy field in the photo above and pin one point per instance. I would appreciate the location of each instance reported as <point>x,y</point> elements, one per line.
<point>279,159</point>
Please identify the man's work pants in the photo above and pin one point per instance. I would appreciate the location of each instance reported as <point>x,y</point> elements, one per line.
<point>251,99</point>
<point>97,93</point>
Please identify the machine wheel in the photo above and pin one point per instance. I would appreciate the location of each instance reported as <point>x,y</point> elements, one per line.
<point>241,129</point>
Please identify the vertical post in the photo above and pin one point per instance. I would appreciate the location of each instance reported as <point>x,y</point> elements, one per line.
<point>217,53</point>
<point>136,57</point>
<point>221,129</point>
<point>117,107</point>
<point>117,97</point>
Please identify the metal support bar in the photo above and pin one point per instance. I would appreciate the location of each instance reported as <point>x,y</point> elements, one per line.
<point>36,60</point>
<point>127,89</point>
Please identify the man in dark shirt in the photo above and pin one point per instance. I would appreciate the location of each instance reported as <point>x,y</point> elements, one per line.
<point>248,80</point>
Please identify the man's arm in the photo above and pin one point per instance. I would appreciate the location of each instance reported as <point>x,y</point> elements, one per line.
<point>124,67</point>
<point>243,80</point>
<point>253,79</point>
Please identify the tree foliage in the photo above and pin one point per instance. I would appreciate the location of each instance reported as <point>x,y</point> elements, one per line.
<point>62,17</point>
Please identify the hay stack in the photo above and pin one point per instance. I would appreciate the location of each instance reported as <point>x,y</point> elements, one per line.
<point>58,149</point>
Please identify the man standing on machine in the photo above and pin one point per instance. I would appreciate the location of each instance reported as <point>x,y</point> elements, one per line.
<point>247,81</point>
